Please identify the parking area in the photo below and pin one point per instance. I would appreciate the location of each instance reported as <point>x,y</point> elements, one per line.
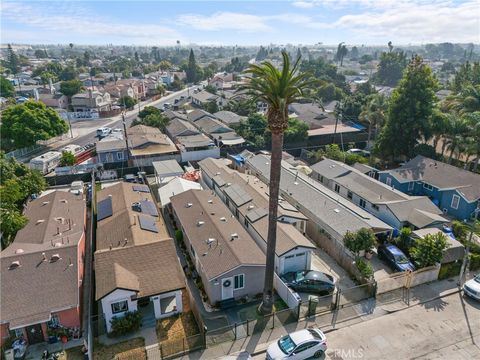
<point>381,270</point>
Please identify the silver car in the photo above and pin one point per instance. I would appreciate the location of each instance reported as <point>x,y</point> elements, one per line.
<point>303,344</point>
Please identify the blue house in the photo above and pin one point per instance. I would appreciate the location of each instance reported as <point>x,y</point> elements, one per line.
<point>455,191</point>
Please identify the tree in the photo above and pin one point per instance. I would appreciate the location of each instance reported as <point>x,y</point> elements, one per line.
<point>390,68</point>
<point>70,87</point>
<point>161,89</point>
<point>151,116</point>
<point>361,240</point>
<point>354,53</point>
<point>191,71</point>
<point>278,89</point>
<point>41,54</point>
<point>211,107</point>
<point>68,73</point>
<point>127,101</point>
<point>6,88</point>
<point>328,92</point>
<point>149,110</point>
<point>165,65</point>
<point>12,61</point>
<point>409,113</point>
<point>429,250</point>
<point>342,51</point>
<point>177,84</point>
<point>68,159</point>
<point>457,132</point>
<point>240,106</point>
<point>473,138</point>
<point>373,113</point>
<point>211,89</point>
<point>45,77</point>
<point>24,124</point>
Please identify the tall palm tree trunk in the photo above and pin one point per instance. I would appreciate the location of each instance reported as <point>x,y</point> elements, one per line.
<point>275,171</point>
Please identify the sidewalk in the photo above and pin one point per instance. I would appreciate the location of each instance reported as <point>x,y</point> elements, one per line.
<point>258,343</point>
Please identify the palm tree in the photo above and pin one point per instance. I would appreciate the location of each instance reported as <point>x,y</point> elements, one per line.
<point>458,130</point>
<point>373,113</point>
<point>277,88</point>
<point>473,139</point>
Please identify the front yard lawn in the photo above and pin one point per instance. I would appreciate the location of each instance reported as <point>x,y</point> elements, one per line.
<point>178,333</point>
<point>133,349</point>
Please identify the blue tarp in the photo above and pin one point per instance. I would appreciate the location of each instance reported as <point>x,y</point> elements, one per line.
<point>238,158</point>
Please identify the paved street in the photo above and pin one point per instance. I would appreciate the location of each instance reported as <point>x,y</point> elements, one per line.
<point>446,328</point>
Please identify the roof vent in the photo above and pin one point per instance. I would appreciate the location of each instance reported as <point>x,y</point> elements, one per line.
<point>234,236</point>
<point>250,207</point>
<point>188,205</point>
<point>19,251</point>
<point>210,201</point>
<point>223,219</point>
<point>210,241</point>
<point>40,221</point>
<point>55,258</point>
<point>14,265</point>
<point>336,210</point>
<point>45,203</point>
<point>65,201</point>
<point>200,223</point>
<point>136,206</point>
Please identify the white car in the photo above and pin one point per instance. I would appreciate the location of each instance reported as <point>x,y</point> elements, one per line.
<point>303,344</point>
<point>472,287</point>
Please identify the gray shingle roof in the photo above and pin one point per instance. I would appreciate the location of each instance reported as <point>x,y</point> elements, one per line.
<point>440,175</point>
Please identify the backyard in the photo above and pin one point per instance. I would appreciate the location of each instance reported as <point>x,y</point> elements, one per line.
<point>178,333</point>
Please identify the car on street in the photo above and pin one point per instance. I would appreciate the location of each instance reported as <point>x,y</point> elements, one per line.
<point>303,344</point>
<point>103,131</point>
<point>394,257</point>
<point>472,288</point>
<point>361,152</point>
<point>310,281</point>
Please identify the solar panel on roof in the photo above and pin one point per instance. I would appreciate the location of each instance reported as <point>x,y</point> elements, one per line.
<point>141,188</point>
<point>148,223</point>
<point>148,207</point>
<point>256,214</point>
<point>104,208</point>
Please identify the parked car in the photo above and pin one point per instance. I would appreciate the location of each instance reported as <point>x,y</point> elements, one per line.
<point>103,131</point>
<point>130,178</point>
<point>394,257</point>
<point>77,187</point>
<point>302,344</point>
<point>310,281</point>
<point>365,153</point>
<point>472,288</point>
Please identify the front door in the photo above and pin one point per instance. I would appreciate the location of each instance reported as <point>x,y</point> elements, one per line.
<point>227,288</point>
<point>35,334</point>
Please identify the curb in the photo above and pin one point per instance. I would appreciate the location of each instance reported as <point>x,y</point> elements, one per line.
<point>447,293</point>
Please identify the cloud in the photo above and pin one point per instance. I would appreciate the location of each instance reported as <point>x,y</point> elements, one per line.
<point>304,4</point>
<point>70,19</point>
<point>417,22</point>
<point>224,21</point>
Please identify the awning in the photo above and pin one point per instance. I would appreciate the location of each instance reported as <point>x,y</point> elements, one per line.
<point>232,142</point>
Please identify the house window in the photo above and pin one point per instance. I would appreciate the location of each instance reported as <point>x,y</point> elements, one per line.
<point>375,207</point>
<point>109,157</point>
<point>428,187</point>
<point>350,195</point>
<point>18,332</point>
<point>363,203</point>
<point>245,221</point>
<point>321,179</point>
<point>119,155</point>
<point>337,188</point>
<point>239,282</point>
<point>193,251</point>
<point>410,185</point>
<point>54,321</point>
<point>388,181</point>
<point>119,307</point>
<point>236,213</point>
<point>455,201</point>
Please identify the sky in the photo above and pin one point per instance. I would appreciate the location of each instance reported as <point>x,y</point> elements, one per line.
<point>226,22</point>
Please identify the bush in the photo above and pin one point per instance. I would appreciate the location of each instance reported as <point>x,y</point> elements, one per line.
<point>124,325</point>
<point>449,270</point>
<point>364,267</point>
<point>429,250</point>
<point>403,241</point>
<point>364,239</point>
<point>474,262</point>
<point>460,230</point>
<point>179,235</point>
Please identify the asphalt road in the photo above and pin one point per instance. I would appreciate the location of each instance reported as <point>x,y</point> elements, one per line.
<point>90,137</point>
<point>446,328</point>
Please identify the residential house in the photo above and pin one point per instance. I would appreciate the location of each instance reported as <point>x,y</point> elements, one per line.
<point>193,144</point>
<point>455,251</point>
<point>247,199</point>
<point>220,80</point>
<point>202,98</point>
<point>227,259</point>
<point>136,264</point>
<point>329,214</point>
<point>312,114</point>
<point>366,169</point>
<point>166,170</point>
<point>111,149</point>
<point>58,101</point>
<point>174,187</point>
<point>118,91</point>
<point>220,133</point>
<point>455,191</point>
<point>229,118</point>
<point>389,205</point>
<point>91,101</point>
<point>147,144</point>
<point>42,269</point>
<point>138,86</point>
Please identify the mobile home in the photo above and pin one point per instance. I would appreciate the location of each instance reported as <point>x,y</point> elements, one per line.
<point>46,162</point>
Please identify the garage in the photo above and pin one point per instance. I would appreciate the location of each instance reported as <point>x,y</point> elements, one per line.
<point>295,262</point>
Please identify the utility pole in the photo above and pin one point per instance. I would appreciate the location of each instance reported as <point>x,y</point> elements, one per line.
<point>125,134</point>
<point>69,124</point>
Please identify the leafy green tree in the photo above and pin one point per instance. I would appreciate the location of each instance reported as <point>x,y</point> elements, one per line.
<point>390,68</point>
<point>429,250</point>
<point>354,53</point>
<point>165,65</point>
<point>278,88</point>
<point>127,101</point>
<point>68,159</point>
<point>328,92</point>
<point>410,111</point>
<point>11,220</point>
<point>24,124</point>
<point>361,240</point>
<point>45,77</point>
<point>177,84</point>
<point>321,70</point>
<point>6,88</point>
<point>467,74</point>
<point>149,110</point>
<point>211,107</point>
<point>70,87</point>
<point>473,136</point>
<point>191,70</point>
<point>68,73</point>
<point>211,89</point>
<point>296,132</point>
<point>41,54</point>
<point>373,113</point>
<point>458,130</point>
<point>153,119</point>
<point>241,107</point>
<point>342,51</point>
<point>403,240</point>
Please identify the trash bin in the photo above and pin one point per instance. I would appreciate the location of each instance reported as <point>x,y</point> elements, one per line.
<point>8,354</point>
